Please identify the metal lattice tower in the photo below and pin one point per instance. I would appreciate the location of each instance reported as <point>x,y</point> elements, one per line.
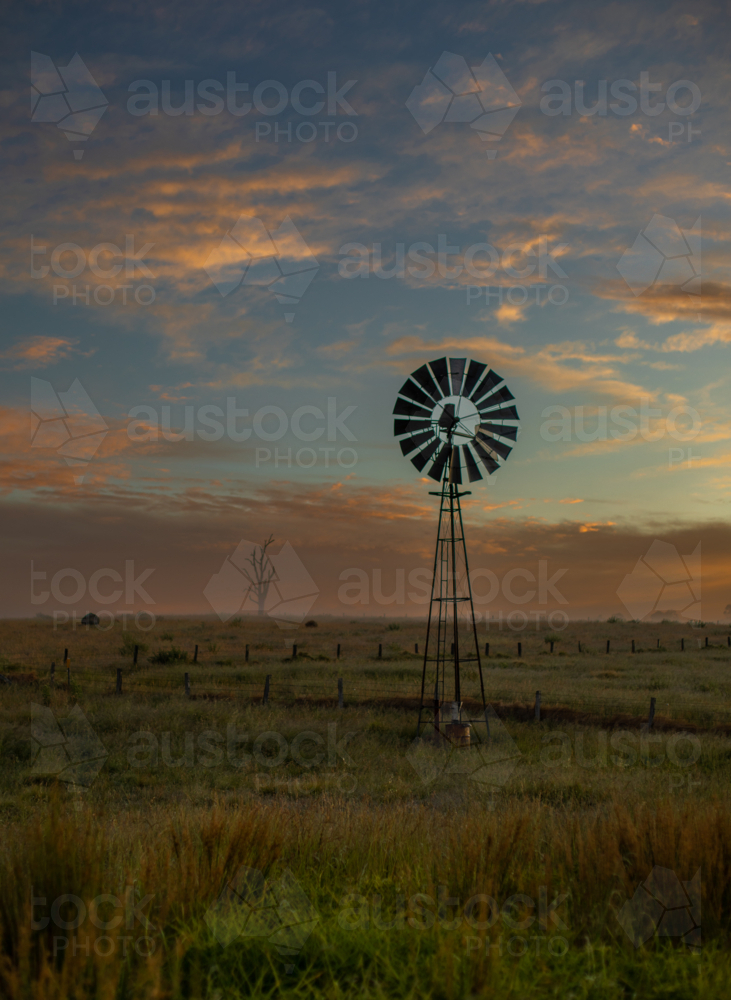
<point>451,633</point>
<point>441,402</point>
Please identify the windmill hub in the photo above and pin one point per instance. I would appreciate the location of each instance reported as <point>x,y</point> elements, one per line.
<point>456,418</point>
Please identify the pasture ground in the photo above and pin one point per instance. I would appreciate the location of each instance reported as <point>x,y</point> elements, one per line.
<point>208,847</point>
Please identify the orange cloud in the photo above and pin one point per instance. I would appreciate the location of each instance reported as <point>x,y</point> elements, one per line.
<point>38,352</point>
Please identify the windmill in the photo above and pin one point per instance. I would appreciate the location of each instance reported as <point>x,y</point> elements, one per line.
<point>453,416</point>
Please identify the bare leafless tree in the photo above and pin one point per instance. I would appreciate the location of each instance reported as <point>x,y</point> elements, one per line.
<point>262,572</point>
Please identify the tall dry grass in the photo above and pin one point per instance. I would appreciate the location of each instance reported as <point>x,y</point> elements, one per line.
<point>182,856</point>
<point>171,837</point>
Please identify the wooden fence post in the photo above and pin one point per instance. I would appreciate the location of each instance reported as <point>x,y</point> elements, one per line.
<point>294,652</point>
<point>652,713</point>
<point>134,658</point>
<point>187,686</point>
<point>119,680</point>
<point>520,649</point>
<point>706,642</point>
<point>380,650</point>
<point>607,645</point>
<point>682,645</point>
<point>579,647</point>
<point>195,655</point>
<point>416,648</point>
<point>550,642</point>
<point>538,706</point>
<point>487,649</point>
<point>246,655</point>
<point>340,692</point>
<point>633,645</point>
<point>337,655</point>
<point>266,690</point>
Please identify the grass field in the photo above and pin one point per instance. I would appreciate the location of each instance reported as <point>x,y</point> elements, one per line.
<point>210,846</point>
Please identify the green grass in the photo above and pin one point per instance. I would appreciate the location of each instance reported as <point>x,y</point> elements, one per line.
<point>581,813</point>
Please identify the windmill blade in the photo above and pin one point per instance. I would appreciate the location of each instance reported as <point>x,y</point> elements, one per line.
<point>455,469</point>
<point>437,470</point>
<point>422,457</point>
<point>406,409</point>
<point>474,373</point>
<point>487,460</point>
<point>473,471</point>
<point>439,369</point>
<point>456,373</point>
<point>409,426</point>
<point>424,377</point>
<point>503,395</point>
<point>486,386</point>
<point>413,392</point>
<point>408,444</point>
<point>509,413</point>
<point>498,447</point>
<point>503,430</point>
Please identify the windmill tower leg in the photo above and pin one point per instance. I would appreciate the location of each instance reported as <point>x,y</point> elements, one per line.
<point>451,637</point>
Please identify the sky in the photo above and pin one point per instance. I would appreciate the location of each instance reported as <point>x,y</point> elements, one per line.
<point>577,243</point>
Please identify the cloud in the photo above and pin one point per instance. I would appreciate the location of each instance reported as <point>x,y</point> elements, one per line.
<point>37,352</point>
<point>507,314</point>
<point>555,367</point>
<point>668,304</point>
<point>693,340</point>
<point>334,528</point>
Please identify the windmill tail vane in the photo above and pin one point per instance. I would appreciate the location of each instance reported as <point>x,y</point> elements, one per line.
<point>453,416</point>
